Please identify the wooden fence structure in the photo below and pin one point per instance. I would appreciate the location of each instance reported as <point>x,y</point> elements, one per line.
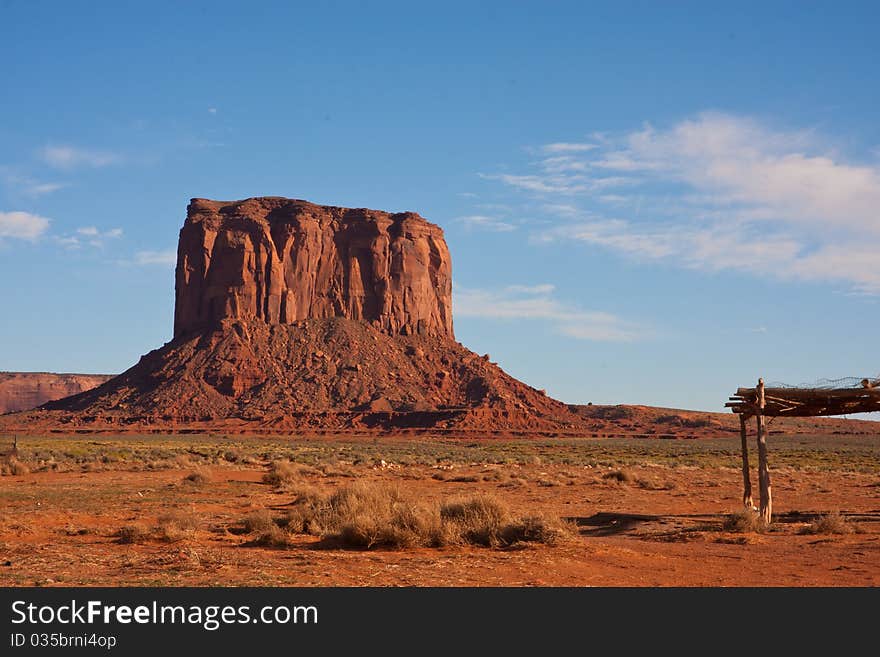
<point>762,403</point>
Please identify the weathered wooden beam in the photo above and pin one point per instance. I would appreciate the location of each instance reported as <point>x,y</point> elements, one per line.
<point>764,491</point>
<point>782,400</point>
<point>747,482</point>
<point>812,393</point>
<point>816,404</point>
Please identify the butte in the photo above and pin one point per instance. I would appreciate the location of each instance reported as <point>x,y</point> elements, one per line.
<point>291,317</point>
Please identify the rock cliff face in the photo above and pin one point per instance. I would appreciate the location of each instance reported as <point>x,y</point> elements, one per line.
<point>20,391</point>
<point>291,316</point>
<point>283,260</point>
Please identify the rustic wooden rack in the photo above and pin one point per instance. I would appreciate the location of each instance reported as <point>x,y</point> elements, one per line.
<point>762,403</point>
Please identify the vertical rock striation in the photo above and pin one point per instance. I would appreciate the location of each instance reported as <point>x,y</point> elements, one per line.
<point>284,260</point>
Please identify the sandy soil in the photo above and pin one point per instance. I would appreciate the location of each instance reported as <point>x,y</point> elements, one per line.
<point>663,527</point>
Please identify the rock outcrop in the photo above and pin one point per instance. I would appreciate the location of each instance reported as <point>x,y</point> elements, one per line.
<point>293,316</point>
<point>21,391</point>
<point>332,374</point>
<point>282,260</point>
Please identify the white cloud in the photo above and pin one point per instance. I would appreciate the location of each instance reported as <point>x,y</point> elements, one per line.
<point>212,110</point>
<point>717,192</point>
<point>71,157</point>
<point>68,242</point>
<point>164,258</point>
<point>89,235</point>
<point>558,183</point>
<point>22,225</point>
<point>543,288</point>
<point>563,163</point>
<point>486,223</point>
<point>39,189</point>
<point>568,147</point>
<point>535,302</point>
<point>735,160</point>
<point>27,185</point>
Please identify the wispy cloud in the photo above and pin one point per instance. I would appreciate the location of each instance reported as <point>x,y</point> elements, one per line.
<point>22,225</point>
<point>568,147</point>
<point>541,288</point>
<point>484,222</point>
<point>536,302</point>
<point>164,258</point>
<point>552,182</point>
<point>71,157</point>
<point>735,160</point>
<point>67,241</point>
<point>26,185</point>
<point>39,189</point>
<point>717,192</point>
<point>88,236</point>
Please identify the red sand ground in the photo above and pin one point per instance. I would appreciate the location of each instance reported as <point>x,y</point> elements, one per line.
<point>59,529</point>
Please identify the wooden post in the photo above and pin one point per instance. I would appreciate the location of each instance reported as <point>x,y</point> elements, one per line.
<point>747,482</point>
<point>766,500</point>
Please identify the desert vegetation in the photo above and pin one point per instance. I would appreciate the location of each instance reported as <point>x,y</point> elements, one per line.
<point>371,515</point>
<point>830,523</point>
<point>204,509</point>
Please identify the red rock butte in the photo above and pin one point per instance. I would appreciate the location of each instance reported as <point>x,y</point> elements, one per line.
<point>283,260</point>
<point>291,316</point>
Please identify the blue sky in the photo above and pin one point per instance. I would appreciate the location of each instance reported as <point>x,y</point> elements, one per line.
<point>644,203</point>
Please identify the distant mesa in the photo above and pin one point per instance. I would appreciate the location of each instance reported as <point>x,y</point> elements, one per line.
<point>291,316</point>
<point>21,391</point>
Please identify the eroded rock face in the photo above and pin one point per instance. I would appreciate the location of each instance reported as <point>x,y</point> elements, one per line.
<point>20,391</point>
<point>283,260</point>
<point>292,316</point>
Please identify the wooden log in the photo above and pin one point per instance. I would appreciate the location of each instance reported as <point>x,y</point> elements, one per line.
<point>812,393</point>
<point>764,491</point>
<point>781,400</point>
<point>812,403</point>
<point>747,482</point>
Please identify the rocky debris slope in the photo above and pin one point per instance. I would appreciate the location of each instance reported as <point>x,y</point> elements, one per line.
<point>20,391</point>
<point>332,373</point>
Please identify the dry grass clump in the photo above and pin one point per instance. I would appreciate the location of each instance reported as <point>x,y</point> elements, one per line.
<point>171,528</point>
<point>513,480</point>
<point>132,534</point>
<point>336,469</point>
<point>366,515</point>
<point>745,522</point>
<point>464,479</point>
<point>478,520</point>
<point>485,520</point>
<point>258,521</point>
<point>545,529</point>
<point>12,466</point>
<point>198,477</point>
<point>175,526</point>
<point>650,484</point>
<point>282,473</point>
<point>622,476</point>
<point>272,537</point>
<point>830,523</point>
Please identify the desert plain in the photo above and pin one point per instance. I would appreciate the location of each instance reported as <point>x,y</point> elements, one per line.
<point>232,510</point>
